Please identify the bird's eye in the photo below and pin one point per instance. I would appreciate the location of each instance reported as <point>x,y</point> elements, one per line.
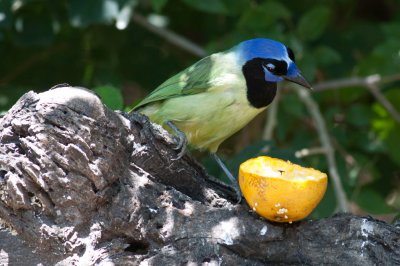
<point>270,67</point>
<point>275,67</point>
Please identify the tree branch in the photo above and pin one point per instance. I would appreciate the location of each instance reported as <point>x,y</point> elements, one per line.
<point>312,107</point>
<point>369,82</point>
<point>376,92</point>
<point>170,36</point>
<point>310,151</point>
<point>85,186</point>
<point>354,82</point>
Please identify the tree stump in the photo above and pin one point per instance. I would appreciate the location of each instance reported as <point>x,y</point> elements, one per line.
<point>82,185</point>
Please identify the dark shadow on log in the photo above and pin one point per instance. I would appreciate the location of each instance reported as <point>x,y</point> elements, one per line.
<point>82,185</point>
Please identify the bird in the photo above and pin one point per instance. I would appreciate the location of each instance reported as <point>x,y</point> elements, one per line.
<point>208,102</point>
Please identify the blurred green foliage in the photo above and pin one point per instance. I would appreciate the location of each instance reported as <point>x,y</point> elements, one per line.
<point>96,44</point>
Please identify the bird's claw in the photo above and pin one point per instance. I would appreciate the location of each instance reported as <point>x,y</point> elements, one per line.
<point>147,128</point>
<point>238,194</point>
<point>180,147</point>
<point>180,154</point>
<point>135,117</point>
<point>181,140</point>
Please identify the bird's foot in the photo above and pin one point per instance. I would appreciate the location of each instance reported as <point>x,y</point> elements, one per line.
<point>146,128</point>
<point>234,182</point>
<point>150,135</point>
<point>180,138</point>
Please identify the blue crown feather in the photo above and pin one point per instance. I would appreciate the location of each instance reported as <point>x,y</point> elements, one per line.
<point>263,48</point>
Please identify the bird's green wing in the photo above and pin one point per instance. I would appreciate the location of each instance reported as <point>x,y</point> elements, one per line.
<point>194,79</point>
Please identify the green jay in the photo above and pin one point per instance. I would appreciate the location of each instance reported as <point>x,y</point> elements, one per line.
<point>217,96</point>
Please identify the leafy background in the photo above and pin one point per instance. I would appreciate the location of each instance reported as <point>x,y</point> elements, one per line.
<point>119,49</point>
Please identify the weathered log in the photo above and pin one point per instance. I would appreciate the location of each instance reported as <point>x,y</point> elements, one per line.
<point>82,185</point>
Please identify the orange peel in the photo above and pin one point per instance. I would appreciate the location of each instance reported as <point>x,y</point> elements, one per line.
<point>279,190</point>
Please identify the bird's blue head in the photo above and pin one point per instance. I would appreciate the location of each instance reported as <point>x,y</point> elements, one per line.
<point>270,60</point>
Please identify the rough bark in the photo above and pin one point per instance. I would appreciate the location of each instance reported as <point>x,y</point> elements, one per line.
<point>82,185</point>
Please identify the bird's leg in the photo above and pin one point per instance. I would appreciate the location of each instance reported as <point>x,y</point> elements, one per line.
<point>230,176</point>
<point>180,139</point>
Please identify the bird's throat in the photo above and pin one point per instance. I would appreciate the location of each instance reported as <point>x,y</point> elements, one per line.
<point>260,92</point>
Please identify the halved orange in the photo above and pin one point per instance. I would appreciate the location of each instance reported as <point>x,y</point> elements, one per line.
<point>279,190</point>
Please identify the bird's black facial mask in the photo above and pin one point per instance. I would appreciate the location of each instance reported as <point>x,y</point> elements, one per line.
<point>261,76</point>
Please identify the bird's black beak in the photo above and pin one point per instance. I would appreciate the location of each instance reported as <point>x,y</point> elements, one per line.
<point>298,79</point>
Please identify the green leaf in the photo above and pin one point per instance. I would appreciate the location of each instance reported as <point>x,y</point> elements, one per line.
<point>313,23</point>
<point>393,143</point>
<point>111,96</point>
<point>308,66</point>
<point>382,122</point>
<point>236,7</point>
<point>372,201</point>
<point>276,10</point>
<point>264,16</point>
<point>211,6</point>
<point>292,106</point>
<point>326,55</point>
<point>158,4</point>
<point>391,30</point>
<point>359,115</point>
